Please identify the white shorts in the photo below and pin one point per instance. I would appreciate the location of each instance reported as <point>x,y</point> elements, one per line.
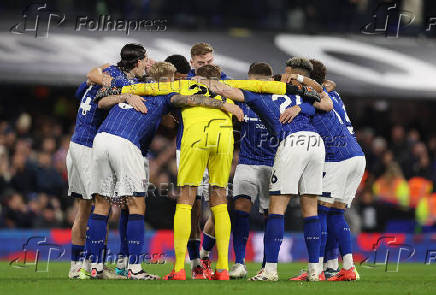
<point>118,167</point>
<point>341,180</point>
<point>203,189</point>
<point>79,159</point>
<point>298,165</point>
<point>147,172</point>
<point>252,181</point>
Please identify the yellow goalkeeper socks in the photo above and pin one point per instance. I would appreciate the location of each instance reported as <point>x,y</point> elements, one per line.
<point>222,235</point>
<point>182,231</point>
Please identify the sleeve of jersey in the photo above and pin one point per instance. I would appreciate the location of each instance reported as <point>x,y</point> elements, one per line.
<point>307,108</point>
<point>272,87</point>
<point>156,89</point>
<point>80,90</point>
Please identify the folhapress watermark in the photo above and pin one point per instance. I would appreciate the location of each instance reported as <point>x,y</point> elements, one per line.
<point>39,19</point>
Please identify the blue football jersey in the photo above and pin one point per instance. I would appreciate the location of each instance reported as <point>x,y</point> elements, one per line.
<point>124,121</point>
<point>269,107</point>
<point>89,116</point>
<point>257,145</point>
<point>339,107</point>
<point>339,143</point>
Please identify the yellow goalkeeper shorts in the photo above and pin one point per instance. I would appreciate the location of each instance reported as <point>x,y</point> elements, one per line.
<point>207,144</point>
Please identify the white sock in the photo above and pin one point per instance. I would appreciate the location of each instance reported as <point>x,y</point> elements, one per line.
<point>321,264</point>
<point>271,267</point>
<point>135,268</point>
<point>348,261</point>
<point>122,262</point>
<point>313,268</point>
<point>194,263</point>
<point>204,253</point>
<point>333,263</point>
<point>98,266</point>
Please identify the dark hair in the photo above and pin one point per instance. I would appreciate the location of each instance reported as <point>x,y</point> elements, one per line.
<point>277,77</point>
<point>319,71</point>
<point>260,68</point>
<point>180,62</point>
<point>299,63</point>
<point>209,71</point>
<point>130,54</point>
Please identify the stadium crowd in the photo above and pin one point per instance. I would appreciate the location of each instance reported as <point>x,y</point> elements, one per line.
<point>401,172</point>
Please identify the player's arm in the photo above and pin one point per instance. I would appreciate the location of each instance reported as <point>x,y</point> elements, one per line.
<point>180,101</point>
<point>290,113</point>
<point>135,101</point>
<point>287,78</point>
<point>156,89</point>
<point>97,76</point>
<point>326,103</point>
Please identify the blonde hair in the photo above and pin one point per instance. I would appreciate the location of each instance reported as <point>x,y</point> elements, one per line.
<point>201,49</point>
<point>161,69</point>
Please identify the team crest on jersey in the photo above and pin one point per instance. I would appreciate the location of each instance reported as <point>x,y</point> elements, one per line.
<point>125,106</point>
<point>85,105</point>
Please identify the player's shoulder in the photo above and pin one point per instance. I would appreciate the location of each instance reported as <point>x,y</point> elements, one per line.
<point>112,69</point>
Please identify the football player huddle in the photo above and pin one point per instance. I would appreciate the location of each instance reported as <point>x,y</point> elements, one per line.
<point>296,142</point>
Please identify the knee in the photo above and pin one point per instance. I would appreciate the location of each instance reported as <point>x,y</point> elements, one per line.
<point>101,206</point>
<point>218,196</point>
<point>136,205</point>
<point>243,204</point>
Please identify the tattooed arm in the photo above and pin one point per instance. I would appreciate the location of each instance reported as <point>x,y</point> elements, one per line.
<point>106,91</point>
<point>200,100</point>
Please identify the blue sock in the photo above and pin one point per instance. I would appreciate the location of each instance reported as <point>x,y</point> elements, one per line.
<point>76,252</point>
<point>331,247</point>
<point>208,242</point>
<point>312,236</point>
<point>194,249</point>
<point>96,237</point>
<point>341,230</point>
<point>322,214</point>
<point>241,230</point>
<point>122,228</point>
<point>135,237</point>
<point>275,228</point>
<point>265,221</point>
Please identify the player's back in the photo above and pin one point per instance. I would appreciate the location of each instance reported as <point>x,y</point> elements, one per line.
<point>124,121</point>
<point>257,145</point>
<point>204,125</point>
<point>339,107</point>
<point>89,116</point>
<point>339,143</point>
<point>269,107</point>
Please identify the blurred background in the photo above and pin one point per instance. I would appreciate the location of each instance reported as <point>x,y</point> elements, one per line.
<point>384,66</point>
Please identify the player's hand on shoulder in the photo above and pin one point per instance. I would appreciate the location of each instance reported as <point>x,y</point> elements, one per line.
<point>137,102</point>
<point>310,93</point>
<point>289,114</point>
<point>234,110</point>
<point>287,78</point>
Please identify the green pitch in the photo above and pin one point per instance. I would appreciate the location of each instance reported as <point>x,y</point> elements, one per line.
<point>410,279</point>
